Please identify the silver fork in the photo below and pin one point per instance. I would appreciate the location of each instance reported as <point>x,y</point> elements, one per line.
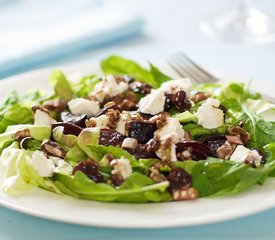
<point>185,67</point>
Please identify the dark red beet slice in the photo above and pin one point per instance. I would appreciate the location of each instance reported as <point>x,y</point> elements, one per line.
<point>199,151</point>
<point>142,152</point>
<point>141,131</point>
<point>140,87</point>
<point>69,128</point>
<point>213,142</point>
<point>110,137</point>
<point>168,102</point>
<point>178,179</point>
<point>181,102</point>
<point>90,169</point>
<point>78,120</point>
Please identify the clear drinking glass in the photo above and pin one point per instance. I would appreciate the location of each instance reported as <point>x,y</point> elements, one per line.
<point>244,24</point>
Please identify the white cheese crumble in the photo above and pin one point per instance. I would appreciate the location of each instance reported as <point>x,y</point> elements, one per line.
<point>109,87</point>
<point>152,103</point>
<point>43,118</point>
<point>80,106</point>
<point>121,126</point>
<point>209,115</point>
<point>171,129</point>
<point>129,143</point>
<point>44,166</point>
<point>170,134</point>
<point>243,154</point>
<point>122,167</point>
<point>181,84</point>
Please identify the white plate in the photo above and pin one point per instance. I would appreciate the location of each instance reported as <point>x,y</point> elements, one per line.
<point>40,203</point>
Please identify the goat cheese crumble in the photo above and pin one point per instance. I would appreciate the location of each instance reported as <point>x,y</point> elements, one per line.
<point>244,155</point>
<point>152,103</point>
<point>80,106</point>
<point>209,115</point>
<point>44,166</point>
<point>109,87</point>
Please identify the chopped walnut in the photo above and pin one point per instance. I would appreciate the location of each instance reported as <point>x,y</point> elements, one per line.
<point>238,131</point>
<point>187,136</point>
<point>157,177</point>
<point>52,149</point>
<point>55,105</point>
<point>160,118</point>
<point>200,96</point>
<point>21,134</point>
<point>114,116</point>
<point>185,194</point>
<point>225,151</point>
<point>90,123</point>
<point>41,108</point>
<point>234,139</point>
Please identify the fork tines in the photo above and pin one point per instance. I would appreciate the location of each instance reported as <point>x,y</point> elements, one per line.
<point>185,67</point>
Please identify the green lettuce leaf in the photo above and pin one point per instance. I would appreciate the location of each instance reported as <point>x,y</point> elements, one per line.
<point>61,85</point>
<point>85,86</point>
<point>15,115</point>
<point>18,174</point>
<point>119,65</point>
<point>136,188</point>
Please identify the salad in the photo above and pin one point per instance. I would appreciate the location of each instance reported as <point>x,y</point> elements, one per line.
<point>133,134</point>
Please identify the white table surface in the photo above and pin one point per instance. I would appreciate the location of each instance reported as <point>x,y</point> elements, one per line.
<point>171,25</point>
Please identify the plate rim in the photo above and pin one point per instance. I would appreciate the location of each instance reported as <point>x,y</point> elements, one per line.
<point>93,65</point>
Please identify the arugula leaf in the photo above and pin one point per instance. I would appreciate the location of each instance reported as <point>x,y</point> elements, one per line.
<point>262,132</point>
<point>120,65</point>
<point>223,177</point>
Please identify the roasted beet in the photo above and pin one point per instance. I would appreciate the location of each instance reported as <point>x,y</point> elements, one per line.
<point>213,142</point>
<point>90,169</point>
<point>141,131</point>
<point>140,87</point>
<point>78,120</point>
<point>179,179</point>
<point>142,151</point>
<point>181,102</point>
<point>69,128</point>
<point>168,102</point>
<point>146,116</point>
<point>198,150</point>
<point>263,161</point>
<point>110,137</point>
<point>106,109</point>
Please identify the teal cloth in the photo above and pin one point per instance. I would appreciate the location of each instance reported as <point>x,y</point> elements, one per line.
<point>14,226</point>
<point>59,32</point>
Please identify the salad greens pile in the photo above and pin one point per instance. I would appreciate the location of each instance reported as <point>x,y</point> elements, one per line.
<point>57,143</point>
